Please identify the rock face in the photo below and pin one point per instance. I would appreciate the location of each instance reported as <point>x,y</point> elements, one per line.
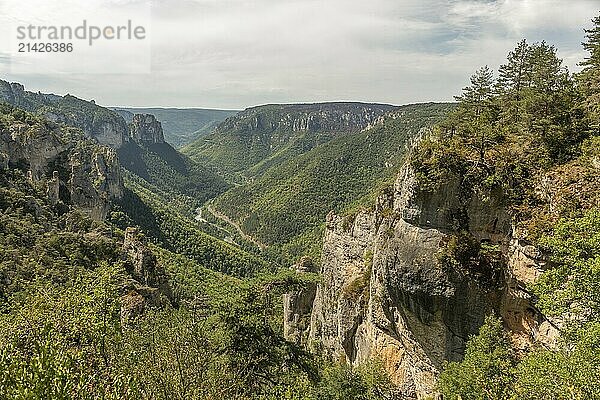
<point>297,306</point>
<point>103,125</point>
<point>95,180</point>
<point>324,117</point>
<point>149,287</point>
<point>74,172</point>
<point>145,128</point>
<point>385,292</point>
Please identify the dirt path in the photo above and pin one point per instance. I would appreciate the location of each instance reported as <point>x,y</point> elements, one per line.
<point>229,221</point>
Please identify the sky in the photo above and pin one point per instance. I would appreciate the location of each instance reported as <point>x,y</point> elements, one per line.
<point>232,54</point>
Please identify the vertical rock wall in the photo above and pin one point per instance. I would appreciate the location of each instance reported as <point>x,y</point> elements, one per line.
<point>385,292</point>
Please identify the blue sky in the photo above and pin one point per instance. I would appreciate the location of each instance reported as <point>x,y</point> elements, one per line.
<point>234,54</point>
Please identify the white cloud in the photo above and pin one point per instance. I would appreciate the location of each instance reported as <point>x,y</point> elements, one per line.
<point>234,53</point>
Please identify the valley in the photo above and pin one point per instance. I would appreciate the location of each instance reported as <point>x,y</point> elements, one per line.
<point>314,251</point>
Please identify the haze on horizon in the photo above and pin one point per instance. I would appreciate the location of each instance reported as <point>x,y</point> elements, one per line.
<point>232,54</point>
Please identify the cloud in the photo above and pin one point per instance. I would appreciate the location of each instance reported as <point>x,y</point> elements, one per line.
<point>234,53</point>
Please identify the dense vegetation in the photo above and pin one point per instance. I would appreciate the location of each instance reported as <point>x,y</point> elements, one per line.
<point>162,166</point>
<point>246,145</point>
<point>162,216</point>
<point>533,134</point>
<point>286,205</point>
<point>71,326</point>
<point>181,125</point>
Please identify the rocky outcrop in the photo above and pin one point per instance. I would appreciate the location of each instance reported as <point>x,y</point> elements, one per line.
<point>75,172</point>
<point>297,306</point>
<point>95,179</point>
<point>144,128</point>
<point>149,287</point>
<point>387,293</point>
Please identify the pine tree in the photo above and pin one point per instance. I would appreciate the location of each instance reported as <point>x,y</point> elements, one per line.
<point>476,113</point>
<point>479,94</point>
<point>549,100</point>
<point>537,96</point>
<point>589,78</point>
<point>513,77</point>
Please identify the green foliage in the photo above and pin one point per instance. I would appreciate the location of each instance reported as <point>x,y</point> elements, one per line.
<point>486,371</point>
<point>588,80</point>
<point>367,382</point>
<point>143,205</point>
<point>573,283</point>
<point>227,346</point>
<point>58,342</point>
<point>570,372</point>
<point>169,171</point>
<point>502,133</point>
<point>288,201</point>
<point>481,261</point>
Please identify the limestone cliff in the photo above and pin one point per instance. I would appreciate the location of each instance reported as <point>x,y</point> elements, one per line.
<point>288,118</point>
<point>386,291</point>
<point>73,170</point>
<point>149,286</point>
<point>144,128</point>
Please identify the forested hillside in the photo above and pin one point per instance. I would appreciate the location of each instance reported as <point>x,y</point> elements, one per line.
<point>162,166</point>
<point>392,234</point>
<point>532,134</point>
<point>285,205</point>
<point>245,145</point>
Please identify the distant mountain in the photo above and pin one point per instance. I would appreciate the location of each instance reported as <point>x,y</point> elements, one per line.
<point>265,135</point>
<point>181,125</point>
<point>289,192</point>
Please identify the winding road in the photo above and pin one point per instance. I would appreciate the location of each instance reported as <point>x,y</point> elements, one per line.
<point>229,221</point>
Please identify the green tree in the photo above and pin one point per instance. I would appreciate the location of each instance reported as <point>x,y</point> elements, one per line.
<point>476,112</point>
<point>589,78</point>
<point>571,371</point>
<point>513,77</point>
<point>537,97</point>
<point>368,381</point>
<point>573,282</point>
<point>486,371</point>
